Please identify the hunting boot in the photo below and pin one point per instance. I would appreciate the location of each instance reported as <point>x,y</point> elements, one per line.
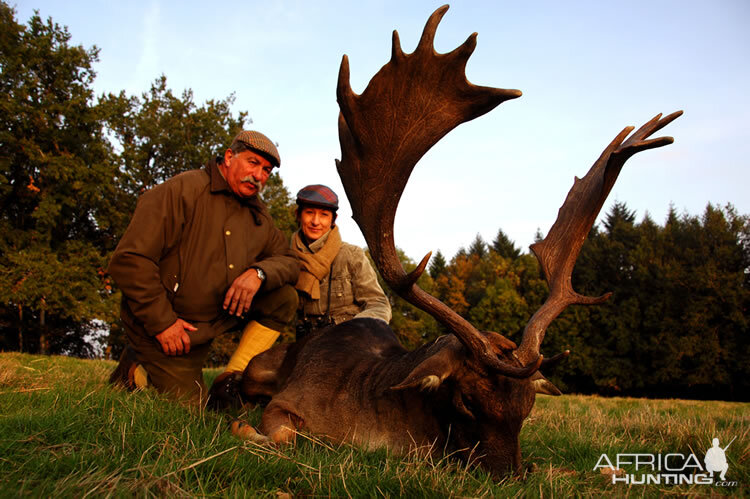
<point>225,390</point>
<point>129,373</point>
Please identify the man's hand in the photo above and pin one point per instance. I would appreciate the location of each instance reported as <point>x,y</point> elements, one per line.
<point>241,293</point>
<point>175,340</point>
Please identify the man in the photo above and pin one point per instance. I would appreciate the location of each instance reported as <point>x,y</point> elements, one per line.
<point>201,257</point>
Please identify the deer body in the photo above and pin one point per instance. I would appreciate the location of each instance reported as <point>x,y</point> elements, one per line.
<point>356,383</point>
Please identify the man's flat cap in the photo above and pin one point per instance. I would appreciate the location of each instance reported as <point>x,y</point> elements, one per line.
<point>259,143</point>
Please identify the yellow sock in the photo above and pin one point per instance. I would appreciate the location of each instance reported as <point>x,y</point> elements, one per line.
<point>256,338</point>
<point>140,377</point>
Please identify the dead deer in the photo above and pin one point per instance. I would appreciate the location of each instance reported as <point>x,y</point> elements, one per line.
<point>466,393</point>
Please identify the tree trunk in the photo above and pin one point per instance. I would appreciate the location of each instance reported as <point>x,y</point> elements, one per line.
<point>43,349</point>
<point>20,328</point>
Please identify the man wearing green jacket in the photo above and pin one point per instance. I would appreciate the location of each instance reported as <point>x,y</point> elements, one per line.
<point>201,257</point>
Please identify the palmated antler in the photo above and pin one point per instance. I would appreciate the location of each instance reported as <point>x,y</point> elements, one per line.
<point>558,252</point>
<point>407,107</point>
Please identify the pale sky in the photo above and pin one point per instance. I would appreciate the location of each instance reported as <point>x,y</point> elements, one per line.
<point>586,69</point>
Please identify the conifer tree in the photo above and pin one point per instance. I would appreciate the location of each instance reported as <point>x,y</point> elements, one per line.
<point>478,247</point>
<point>437,265</point>
<point>504,246</point>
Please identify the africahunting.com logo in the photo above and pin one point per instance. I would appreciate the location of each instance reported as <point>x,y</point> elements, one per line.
<point>669,469</point>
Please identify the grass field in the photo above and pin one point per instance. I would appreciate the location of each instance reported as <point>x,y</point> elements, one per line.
<point>65,433</point>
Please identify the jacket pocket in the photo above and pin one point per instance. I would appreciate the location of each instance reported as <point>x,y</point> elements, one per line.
<point>170,279</point>
<point>341,290</point>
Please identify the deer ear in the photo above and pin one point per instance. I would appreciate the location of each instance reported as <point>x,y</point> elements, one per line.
<point>543,385</point>
<point>432,371</point>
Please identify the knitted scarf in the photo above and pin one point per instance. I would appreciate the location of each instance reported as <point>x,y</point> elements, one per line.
<point>315,266</point>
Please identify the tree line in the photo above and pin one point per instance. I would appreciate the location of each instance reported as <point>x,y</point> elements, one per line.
<point>675,325</point>
<point>73,164</point>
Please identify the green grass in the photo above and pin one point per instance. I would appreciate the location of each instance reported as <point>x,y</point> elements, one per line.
<point>65,433</point>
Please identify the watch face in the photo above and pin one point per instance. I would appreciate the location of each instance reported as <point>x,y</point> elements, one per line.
<point>261,274</point>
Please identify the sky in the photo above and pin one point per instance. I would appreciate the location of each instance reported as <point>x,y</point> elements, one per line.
<point>587,69</point>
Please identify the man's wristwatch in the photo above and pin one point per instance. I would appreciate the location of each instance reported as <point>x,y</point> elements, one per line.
<point>261,274</point>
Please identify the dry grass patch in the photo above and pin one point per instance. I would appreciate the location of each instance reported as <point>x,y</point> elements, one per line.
<point>20,373</point>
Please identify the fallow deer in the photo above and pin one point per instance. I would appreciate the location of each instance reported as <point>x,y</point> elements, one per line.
<point>466,393</point>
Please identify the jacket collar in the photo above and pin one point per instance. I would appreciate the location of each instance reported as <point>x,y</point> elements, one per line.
<point>218,182</point>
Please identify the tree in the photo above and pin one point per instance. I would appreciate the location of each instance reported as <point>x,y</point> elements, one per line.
<point>437,265</point>
<point>71,171</point>
<point>478,247</point>
<point>280,204</point>
<point>412,326</point>
<point>493,292</point>
<point>504,246</point>
<point>676,323</point>
<point>55,177</point>
<point>618,215</point>
<point>160,135</point>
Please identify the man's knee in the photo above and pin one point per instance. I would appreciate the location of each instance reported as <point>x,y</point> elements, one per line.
<point>277,308</point>
<point>180,376</point>
<point>288,302</point>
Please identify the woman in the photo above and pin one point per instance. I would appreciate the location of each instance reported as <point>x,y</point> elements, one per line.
<point>337,282</point>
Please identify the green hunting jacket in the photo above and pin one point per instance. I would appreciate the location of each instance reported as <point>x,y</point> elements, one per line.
<point>355,291</point>
<point>188,240</point>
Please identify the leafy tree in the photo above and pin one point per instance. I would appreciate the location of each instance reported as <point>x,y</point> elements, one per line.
<point>160,135</point>
<point>496,303</point>
<point>280,204</point>
<point>413,326</point>
<point>451,286</point>
<point>55,177</point>
<point>71,171</point>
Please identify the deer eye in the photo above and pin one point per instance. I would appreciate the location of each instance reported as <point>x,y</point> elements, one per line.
<point>463,405</point>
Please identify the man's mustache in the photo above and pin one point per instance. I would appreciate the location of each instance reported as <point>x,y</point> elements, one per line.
<point>250,180</point>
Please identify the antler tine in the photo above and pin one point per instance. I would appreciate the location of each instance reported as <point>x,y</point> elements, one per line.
<point>558,252</point>
<point>427,40</point>
<point>408,106</point>
<point>396,52</point>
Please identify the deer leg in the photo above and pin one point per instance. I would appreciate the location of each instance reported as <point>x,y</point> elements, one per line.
<point>241,429</point>
<point>280,423</point>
